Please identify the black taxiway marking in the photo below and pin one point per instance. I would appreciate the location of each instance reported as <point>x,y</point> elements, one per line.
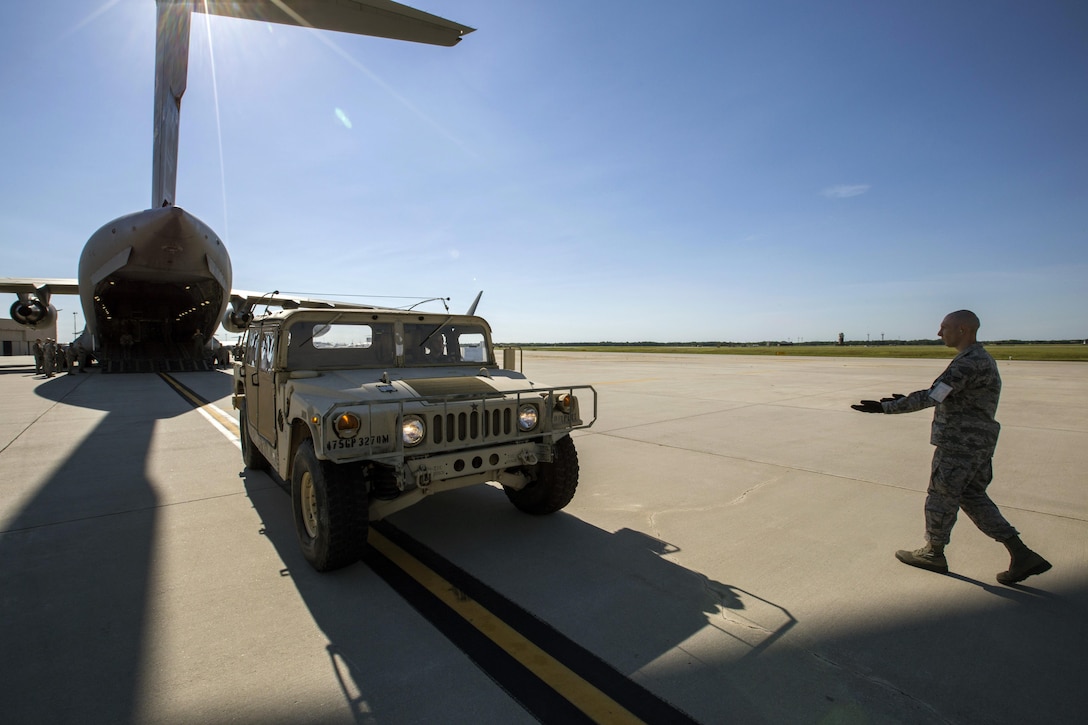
<point>550,675</point>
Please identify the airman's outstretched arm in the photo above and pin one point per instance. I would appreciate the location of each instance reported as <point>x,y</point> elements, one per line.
<point>878,406</point>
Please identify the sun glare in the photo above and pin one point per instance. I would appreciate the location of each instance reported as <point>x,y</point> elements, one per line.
<point>218,123</point>
<point>90,18</point>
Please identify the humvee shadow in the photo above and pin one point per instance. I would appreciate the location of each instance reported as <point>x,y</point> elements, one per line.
<point>615,593</point>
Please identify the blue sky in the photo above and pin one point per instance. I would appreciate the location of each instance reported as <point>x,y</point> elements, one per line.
<point>696,170</point>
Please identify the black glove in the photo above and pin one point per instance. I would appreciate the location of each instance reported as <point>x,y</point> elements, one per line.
<point>895,396</point>
<point>869,406</point>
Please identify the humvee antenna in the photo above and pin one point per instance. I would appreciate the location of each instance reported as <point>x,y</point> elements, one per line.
<point>443,300</point>
<point>273,293</point>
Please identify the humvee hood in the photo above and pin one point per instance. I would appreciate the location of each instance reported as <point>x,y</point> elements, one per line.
<point>366,383</point>
<point>428,387</point>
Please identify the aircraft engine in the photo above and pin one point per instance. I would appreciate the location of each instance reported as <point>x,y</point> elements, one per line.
<point>33,313</point>
<point>235,319</point>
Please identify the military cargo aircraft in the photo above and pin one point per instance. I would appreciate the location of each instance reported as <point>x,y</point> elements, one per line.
<point>152,282</point>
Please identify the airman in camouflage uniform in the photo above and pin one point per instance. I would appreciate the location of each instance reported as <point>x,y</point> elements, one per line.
<point>38,349</point>
<point>964,433</point>
<point>49,357</point>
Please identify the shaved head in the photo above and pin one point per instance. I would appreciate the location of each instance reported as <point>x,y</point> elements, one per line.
<point>959,329</point>
<point>965,318</point>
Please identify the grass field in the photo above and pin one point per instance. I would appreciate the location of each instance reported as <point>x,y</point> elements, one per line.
<point>1026,351</point>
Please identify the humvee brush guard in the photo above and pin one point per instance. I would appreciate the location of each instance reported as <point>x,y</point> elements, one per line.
<point>368,411</point>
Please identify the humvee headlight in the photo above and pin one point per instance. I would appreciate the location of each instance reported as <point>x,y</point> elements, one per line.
<point>563,403</point>
<point>527,417</point>
<point>347,425</point>
<point>412,430</point>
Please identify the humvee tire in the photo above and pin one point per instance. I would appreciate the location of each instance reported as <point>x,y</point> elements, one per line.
<point>330,511</point>
<point>554,485</point>
<point>251,457</point>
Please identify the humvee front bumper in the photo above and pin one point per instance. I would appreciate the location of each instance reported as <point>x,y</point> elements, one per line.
<point>493,459</point>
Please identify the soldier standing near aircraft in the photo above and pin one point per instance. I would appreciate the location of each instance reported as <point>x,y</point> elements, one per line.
<point>39,356</point>
<point>70,357</point>
<point>127,341</point>
<point>198,346</point>
<point>964,432</point>
<point>49,357</point>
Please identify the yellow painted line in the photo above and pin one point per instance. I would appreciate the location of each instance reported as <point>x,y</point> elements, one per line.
<point>598,706</point>
<point>223,419</point>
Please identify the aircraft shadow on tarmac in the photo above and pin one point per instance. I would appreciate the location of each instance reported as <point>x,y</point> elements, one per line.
<point>73,623</point>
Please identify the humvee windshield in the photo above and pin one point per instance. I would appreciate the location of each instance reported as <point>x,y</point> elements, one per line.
<point>448,344</point>
<point>346,344</point>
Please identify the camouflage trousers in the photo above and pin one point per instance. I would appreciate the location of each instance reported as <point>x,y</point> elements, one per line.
<point>958,481</point>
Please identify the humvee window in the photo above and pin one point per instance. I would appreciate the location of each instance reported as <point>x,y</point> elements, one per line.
<point>251,349</point>
<point>268,350</point>
<point>328,345</point>
<point>427,344</point>
<point>340,336</point>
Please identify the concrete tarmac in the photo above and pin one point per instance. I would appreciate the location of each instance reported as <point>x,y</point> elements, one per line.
<point>730,548</point>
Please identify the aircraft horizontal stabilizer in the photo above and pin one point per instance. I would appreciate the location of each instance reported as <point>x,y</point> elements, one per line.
<point>379,18</point>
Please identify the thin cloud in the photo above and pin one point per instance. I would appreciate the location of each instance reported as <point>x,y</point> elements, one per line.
<point>845,191</point>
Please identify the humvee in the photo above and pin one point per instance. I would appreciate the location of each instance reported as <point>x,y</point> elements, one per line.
<point>367,411</point>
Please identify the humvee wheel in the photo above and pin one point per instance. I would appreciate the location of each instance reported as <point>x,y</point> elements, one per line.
<point>330,511</point>
<point>251,457</point>
<point>554,485</point>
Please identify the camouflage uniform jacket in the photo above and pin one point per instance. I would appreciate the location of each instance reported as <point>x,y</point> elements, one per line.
<point>966,396</point>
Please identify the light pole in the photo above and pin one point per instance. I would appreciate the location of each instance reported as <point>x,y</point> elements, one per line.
<point>75,330</point>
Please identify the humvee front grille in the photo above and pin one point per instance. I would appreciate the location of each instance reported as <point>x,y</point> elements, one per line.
<point>452,421</point>
<point>468,426</point>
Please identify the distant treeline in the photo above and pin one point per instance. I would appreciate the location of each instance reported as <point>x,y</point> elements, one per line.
<point>780,343</point>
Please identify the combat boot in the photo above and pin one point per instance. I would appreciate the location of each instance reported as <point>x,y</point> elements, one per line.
<point>930,556</point>
<point>1024,563</point>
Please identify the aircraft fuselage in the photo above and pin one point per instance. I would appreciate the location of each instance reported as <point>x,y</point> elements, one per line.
<point>154,285</point>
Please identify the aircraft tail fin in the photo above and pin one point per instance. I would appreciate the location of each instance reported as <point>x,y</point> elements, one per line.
<point>380,18</point>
